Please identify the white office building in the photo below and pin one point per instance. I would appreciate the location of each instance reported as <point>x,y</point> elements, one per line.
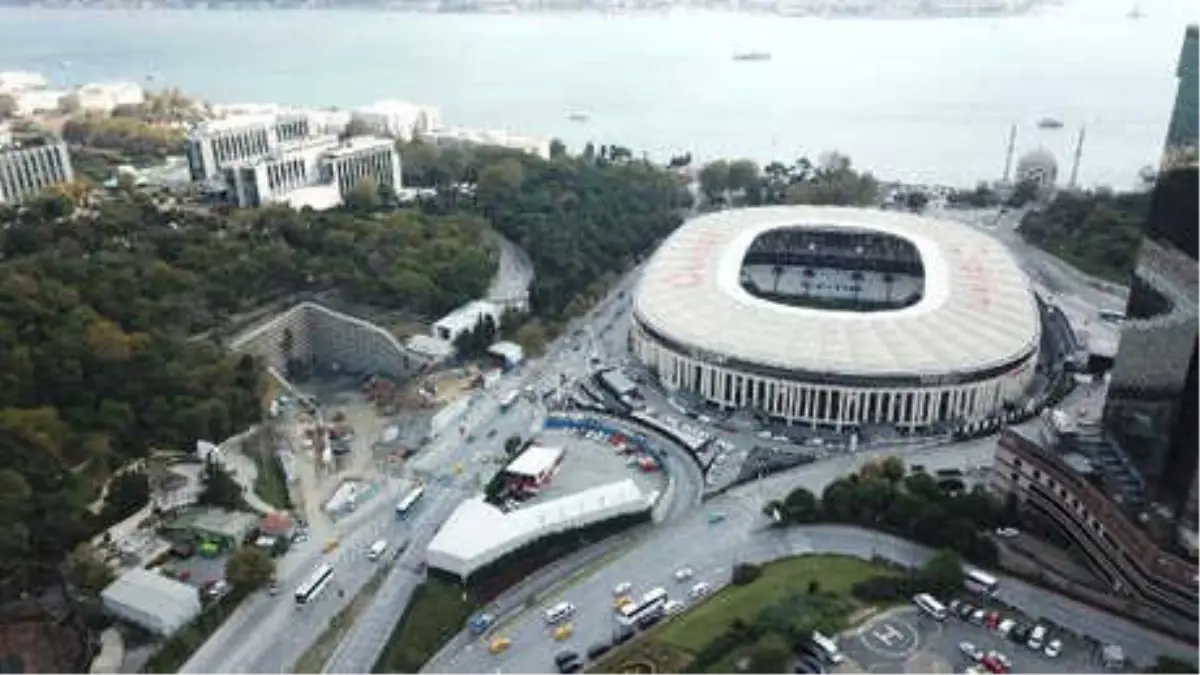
<point>397,119</point>
<point>501,139</point>
<point>26,171</point>
<point>217,144</point>
<point>106,96</point>
<point>269,179</point>
<point>361,157</point>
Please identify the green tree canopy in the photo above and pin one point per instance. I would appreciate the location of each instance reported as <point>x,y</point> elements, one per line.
<point>249,568</point>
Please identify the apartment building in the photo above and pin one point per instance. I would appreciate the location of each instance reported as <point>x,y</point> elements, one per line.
<point>397,119</point>
<point>27,170</point>
<point>1122,489</point>
<point>319,172</point>
<point>217,144</point>
<point>361,157</point>
<point>269,179</point>
<point>1082,485</point>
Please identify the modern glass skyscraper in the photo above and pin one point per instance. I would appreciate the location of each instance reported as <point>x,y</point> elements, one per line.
<point>1152,401</point>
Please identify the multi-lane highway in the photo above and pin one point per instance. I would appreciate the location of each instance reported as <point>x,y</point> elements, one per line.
<point>267,634</point>
<point>711,550</point>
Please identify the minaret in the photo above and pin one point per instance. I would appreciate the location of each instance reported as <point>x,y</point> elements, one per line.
<point>1078,156</point>
<point>1008,155</point>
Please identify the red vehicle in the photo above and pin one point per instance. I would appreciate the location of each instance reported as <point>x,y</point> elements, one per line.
<point>992,620</point>
<point>993,665</point>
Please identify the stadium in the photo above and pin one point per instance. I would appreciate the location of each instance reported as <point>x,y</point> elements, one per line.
<point>839,317</point>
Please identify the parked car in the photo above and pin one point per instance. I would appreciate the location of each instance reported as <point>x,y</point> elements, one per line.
<point>1054,648</point>
<point>978,616</point>
<point>564,657</point>
<point>970,651</point>
<point>622,588</point>
<point>683,574</point>
<point>965,610</point>
<point>673,607</point>
<point>649,620</point>
<point>1007,532</point>
<point>700,590</point>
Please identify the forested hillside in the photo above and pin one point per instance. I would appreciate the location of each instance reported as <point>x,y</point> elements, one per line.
<point>582,219</point>
<point>1098,232</point>
<point>98,363</point>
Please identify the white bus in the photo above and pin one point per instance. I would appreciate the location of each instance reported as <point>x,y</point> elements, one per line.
<point>410,500</point>
<point>979,582</point>
<point>826,648</point>
<point>928,604</point>
<point>315,584</point>
<point>651,602</point>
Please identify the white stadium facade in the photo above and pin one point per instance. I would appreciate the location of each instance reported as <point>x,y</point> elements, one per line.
<point>839,317</point>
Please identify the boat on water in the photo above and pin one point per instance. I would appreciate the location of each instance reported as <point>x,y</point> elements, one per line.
<point>1135,13</point>
<point>1050,123</point>
<point>752,56</point>
<point>577,117</point>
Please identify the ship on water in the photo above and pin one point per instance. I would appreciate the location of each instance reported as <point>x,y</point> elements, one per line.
<point>1050,123</point>
<point>752,56</point>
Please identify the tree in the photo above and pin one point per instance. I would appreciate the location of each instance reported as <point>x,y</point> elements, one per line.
<point>1023,193</point>
<point>357,127</point>
<point>892,468</point>
<point>511,445</point>
<point>364,196</point>
<point>771,654</point>
<point>532,336</point>
<point>801,506</point>
<point>942,573</point>
<point>558,149</point>
<point>249,568</point>
<point>714,180</point>
<point>219,488</point>
<point>8,106</point>
<point>742,175</point>
<point>916,201</point>
<point>127,492</point>
<point>87,572</point>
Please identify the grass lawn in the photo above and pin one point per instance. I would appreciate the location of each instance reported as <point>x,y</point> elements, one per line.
<point>270,484</point>
<point>436,613</point>
<point>700,626</point>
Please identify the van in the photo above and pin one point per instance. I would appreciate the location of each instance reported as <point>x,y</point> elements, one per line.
<point>377,550</point>
<point>1037,638</point>
<point>559,612</point>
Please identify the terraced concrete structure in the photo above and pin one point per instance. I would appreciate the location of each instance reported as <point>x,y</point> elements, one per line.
<point>325,337</point>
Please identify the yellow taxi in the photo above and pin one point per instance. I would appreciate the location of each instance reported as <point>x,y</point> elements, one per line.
<point>621,601</point>
<point>564,631</point>
<point>331,545</point>
<point>499,645</point>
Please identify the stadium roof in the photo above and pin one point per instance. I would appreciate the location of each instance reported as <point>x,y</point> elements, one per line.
<point>977,310</point>
<point>536,460</point>
<point>478,533</point>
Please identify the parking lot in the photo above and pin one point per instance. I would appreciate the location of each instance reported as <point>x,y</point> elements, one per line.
<point>590,461</point>
<point>904,640</point>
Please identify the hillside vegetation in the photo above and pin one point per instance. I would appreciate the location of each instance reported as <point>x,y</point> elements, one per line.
<point>1098,232</point>
<point>98,363</point>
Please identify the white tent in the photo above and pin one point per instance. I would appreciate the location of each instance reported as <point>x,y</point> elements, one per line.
<point>478,533</point>
<point>152,601</point>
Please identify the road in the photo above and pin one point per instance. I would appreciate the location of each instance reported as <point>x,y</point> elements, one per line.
<point>363,644</point>
<point>744,537</point>
<point>514,275</point>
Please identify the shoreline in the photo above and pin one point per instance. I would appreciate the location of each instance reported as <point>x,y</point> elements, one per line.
<point>885,14</point>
